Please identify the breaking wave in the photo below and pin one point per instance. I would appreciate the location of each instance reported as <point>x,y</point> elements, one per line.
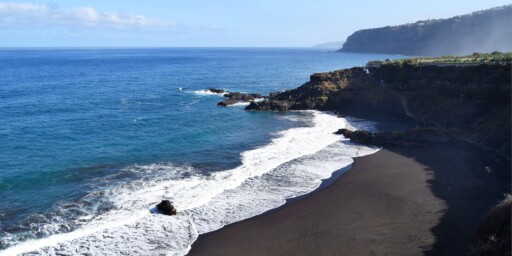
<point>119,217</point>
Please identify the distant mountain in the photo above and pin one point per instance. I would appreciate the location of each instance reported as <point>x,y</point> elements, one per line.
<point>329,46</point>
<point>483,31</point>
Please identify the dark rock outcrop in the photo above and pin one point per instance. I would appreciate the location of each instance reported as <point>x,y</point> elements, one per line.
<point>269,105</point>
<point>338,90</point>
<point>237,97</point>
<point>472,103</point>
<point>482,31</point>
<point>312,95</point>
<point>416,137</point>
<point>493,236</point>
<point>227,102</point>
<point>166,208</point>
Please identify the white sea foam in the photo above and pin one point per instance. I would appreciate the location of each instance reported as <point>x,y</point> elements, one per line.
<point>294,163</point>
<point>238,104</point>
<point>208,92</point>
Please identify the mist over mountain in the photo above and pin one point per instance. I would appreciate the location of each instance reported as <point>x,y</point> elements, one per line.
<point>330,45</point>
<point>482,31</point>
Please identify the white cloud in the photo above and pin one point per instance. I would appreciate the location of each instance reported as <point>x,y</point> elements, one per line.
<point>46,14</point>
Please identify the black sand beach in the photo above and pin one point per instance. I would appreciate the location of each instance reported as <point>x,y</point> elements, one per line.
<point>399,201</point>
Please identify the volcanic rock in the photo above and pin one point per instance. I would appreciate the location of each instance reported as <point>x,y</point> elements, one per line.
<point>166,208</point>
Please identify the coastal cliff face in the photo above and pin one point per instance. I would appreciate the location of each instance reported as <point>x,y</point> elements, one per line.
<point>345,91</point>
<point>483,31</point>
<point>472,103</point>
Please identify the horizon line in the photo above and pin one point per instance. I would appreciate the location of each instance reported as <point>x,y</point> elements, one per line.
<point>110,47</point>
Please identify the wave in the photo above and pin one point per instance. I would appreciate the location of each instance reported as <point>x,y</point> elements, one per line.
<point>208,92</point>
<point>294,163</point>
<point>244,104</point>
<point>240,104</point>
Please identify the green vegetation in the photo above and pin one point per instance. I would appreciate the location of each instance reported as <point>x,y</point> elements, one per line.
<point>475,58</point>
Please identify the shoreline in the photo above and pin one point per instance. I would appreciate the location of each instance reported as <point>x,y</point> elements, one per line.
<point>319,184</point>
<point>325,184</point>
<point>399,199</point>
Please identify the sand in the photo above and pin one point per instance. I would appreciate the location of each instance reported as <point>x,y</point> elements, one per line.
<point>399,201</point>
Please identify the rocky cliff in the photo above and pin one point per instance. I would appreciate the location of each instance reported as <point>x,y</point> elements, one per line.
<point>483,31</point>
<point>345,91</point>
<point>471,103</point>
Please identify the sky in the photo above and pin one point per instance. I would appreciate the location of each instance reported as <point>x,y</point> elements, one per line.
<point>210,23</point>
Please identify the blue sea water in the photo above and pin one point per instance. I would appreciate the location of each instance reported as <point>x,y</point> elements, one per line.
<point>82,130</point>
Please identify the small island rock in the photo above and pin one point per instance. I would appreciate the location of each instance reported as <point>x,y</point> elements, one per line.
<point>166,208</point>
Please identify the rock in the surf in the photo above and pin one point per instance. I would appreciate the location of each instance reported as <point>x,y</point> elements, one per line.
<point>166,208</point>
<point>227,102</point>
<point>238,97</point>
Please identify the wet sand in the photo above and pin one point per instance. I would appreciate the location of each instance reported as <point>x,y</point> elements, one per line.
<point>399,201</point>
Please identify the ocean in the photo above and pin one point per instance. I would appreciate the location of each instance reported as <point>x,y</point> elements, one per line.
<point>92,139</point>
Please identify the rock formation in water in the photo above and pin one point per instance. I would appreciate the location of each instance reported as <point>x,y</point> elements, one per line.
<point>238,97</point>
<point>166,208</point>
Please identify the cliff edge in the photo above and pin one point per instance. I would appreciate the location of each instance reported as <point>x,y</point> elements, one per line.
<point>469,100</point>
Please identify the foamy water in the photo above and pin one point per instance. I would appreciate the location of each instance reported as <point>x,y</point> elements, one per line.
<point>208,92</point>
<point>294,163</point>
<point>240,104</point>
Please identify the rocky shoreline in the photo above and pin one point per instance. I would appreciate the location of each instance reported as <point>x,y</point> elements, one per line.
<point>233,98</point>
<point>335,91</point>
<point>238,97</point>
<point>453,120</point>
<point>470,106</point>
<point>469,103</point>
<point>413,137</point>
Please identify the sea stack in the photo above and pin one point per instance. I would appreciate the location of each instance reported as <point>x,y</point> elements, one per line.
<point>166,208</point>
